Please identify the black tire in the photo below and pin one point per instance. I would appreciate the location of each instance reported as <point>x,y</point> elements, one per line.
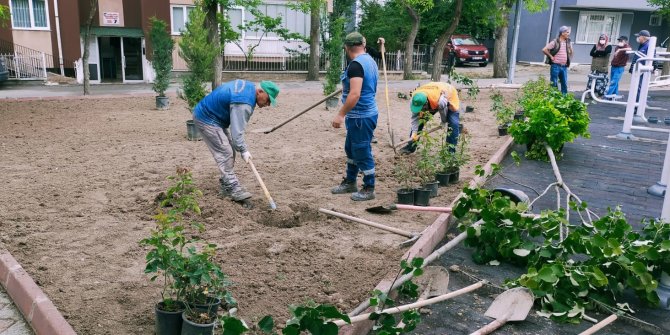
<point>483,64</point>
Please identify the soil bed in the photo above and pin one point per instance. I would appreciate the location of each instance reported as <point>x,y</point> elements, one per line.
<point>80,178</point>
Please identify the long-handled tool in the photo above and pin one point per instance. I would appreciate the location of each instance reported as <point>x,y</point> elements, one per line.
<point>269,130</point>
<point>511,305</point>
<point>395,207</point>
<point>600,325</point>
<point>273,206</point>
<point>412,236</point>
<point>418,304</point>
<point>386,93</point>
<point>432,130</point>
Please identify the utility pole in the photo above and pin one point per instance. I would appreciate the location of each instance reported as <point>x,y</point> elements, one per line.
<point>515,44</point>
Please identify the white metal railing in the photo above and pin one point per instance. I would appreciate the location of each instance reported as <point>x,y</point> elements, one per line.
<point>22,67</point>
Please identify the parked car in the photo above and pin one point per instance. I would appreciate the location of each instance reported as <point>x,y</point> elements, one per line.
<point>465,49</point>
<point>4,73</point>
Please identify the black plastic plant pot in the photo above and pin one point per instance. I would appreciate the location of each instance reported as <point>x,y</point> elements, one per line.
<point>331,104</point>
<point>192,133</point>
<point>652,119</point>
<point>189,327</point>
<point>421,197</point>
<point>519,116</point>
<point>667,121</point>
<point>211,306</point>
<point>162,102</point>
<point>469,109</point>
<point>443,178</point>
<point>454,176</point>
<point>502,130</point>
<point>433,187</point>
<point>168,322</point>
<point>405,196</point>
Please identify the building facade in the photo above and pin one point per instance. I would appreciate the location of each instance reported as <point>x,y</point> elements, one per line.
<point>587,20</point>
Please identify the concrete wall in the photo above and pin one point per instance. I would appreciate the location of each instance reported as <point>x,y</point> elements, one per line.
<point>111,6</point>
<point>39,40</point>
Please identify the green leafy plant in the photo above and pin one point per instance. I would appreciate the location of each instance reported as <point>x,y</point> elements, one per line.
<point>427,164</point>
<point>503,111</point>
<point>333,48</point>
<point>199,56</point>
<point>472,87</point>
<point>162,45</point>
<point>550,118</point>
<point>403,171</point>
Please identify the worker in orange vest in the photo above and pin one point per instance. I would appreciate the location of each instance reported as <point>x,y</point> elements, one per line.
<point>432,98</point>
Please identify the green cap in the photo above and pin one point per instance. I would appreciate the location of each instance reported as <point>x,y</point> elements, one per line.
<point>354,38</point>
<point>271,89</point>
<point>418,101</point>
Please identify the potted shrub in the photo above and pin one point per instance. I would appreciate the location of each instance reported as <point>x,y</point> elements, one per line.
<point>162,45</point>
<point>403,172</point>
<point>503,111</point>
<point>426,165</point>
<point>334,51</point>
<point>199,56</point>
<point>551,118</point>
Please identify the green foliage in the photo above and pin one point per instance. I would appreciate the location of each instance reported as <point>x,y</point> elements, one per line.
<point>4,16</point>
<point>662,5</point>
<point>403,171</point>
<point>550,118</point>
<point>199,56</point>
<point>389,20</point>
<point>162,45</point>
<point>450,158</point>
<point>427,164</point>
<point>472,87</point>
<point>333,48</point>
<point>503,110</point>
<point>232,325</point>
<point>594,261</point>
<point>316,319</point>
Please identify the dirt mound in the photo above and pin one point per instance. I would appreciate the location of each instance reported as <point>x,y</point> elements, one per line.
<point>295,215</point>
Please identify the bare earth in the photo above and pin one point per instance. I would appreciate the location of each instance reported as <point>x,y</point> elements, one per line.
<point>79,179</point>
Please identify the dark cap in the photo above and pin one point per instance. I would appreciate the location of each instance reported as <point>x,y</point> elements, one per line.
<point>644,33</point>
<point>354,38</point>
<point>622,38</point>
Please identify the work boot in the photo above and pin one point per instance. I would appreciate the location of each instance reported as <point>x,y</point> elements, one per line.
<point>239,194</point>
<point>374,139</point>
<point>366,193</point>
<point>408,149</point>
<point>225,189</point>
<point>346,186</point>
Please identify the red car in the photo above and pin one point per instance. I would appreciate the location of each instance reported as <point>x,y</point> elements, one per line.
<point>462,49</point>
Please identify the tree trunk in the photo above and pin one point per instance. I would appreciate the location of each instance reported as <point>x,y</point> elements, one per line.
<point>87,40</point>
<point>500,66</point>
<point>214,39</point>
<point>409,44</point>
<point>314,33</point>
<point>442,42</point>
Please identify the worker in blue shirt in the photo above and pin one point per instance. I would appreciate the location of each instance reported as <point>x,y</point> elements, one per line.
<point>221,118</point>
<point>642,38</point>
<point>359,115</point>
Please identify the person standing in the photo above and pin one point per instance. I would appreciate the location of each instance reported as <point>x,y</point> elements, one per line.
<point>600,56</point>
<point>359,115</point>
<point>618,64</point>
<point>642,38</point>
<point>221,118</point>
<point>559,52</point>
<point>433,98</point>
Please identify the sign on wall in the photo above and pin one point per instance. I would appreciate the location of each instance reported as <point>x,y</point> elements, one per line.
<point>110,18</point>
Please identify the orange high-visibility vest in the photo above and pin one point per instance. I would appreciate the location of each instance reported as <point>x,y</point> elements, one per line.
<point>434,91</point>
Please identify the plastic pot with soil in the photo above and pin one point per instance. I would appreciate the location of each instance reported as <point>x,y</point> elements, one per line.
<point>169,318</point>
<point>470,109</point>
<point>209,305</point>
<point>331,104</point>
<point>405,196</point>
<point>519,115</point>
<point>198,323</point>
<point>502,130</point>
<point>421,197</point>
<point>433,187</point>
<point>162,102</point>
<point>192,133</point>
<point>443,178</point>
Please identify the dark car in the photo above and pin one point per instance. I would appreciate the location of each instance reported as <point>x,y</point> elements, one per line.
<point>4,73</point>
<point>465,49</point>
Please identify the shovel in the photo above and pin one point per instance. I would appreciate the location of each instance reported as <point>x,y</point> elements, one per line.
<point>390,208</point>
<point>273,206</point>
<point>511,305</point>
<point>600,325</point>
<point>271,129</point>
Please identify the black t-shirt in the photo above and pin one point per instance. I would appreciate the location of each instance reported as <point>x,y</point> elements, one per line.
<point>354,70</point>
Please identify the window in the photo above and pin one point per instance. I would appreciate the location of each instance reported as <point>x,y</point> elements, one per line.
<point>29,14</point>
<point>293,20</point>
<point>655,20</point>
<point>180,18</point>
<point>592,24</point>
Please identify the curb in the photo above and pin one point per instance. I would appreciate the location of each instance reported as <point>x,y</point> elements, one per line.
<point>84,97</point>
<point>432,235</point>
<point>36,307</point>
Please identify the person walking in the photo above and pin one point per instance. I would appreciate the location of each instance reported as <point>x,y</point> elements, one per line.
<point>600,56</point>
<point>432,98</point>
<point>559,52</point>
<point>221,118</point>
<point>618,65</point>
<point>359,114</point>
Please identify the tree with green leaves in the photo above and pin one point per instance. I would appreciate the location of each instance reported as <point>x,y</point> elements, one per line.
<point>162,45</point>
<point>4,15</point>
<point>663,9</point>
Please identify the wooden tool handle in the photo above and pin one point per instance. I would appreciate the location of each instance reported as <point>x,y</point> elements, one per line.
<point>600,325</point>
<point>305,110</point>
<point>410,140</point>
<point>260,181</point>
<point>367,223</point>
<point>424,209</point>
<point>418,304</point>
<point>491,327</point>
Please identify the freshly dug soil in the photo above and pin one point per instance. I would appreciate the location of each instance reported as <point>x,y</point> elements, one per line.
<point>80,178</point>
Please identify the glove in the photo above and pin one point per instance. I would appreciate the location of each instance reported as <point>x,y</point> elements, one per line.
<point>415,137</point>
<point>246,156</point>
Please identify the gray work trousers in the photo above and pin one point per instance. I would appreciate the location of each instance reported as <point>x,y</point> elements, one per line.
<point>219,143</point>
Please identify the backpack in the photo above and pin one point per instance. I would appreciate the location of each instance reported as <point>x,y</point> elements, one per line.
<point>555,50</point>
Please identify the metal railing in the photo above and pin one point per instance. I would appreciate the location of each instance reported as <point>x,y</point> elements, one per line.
<point>25,66</point>
<point>24,57</point>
